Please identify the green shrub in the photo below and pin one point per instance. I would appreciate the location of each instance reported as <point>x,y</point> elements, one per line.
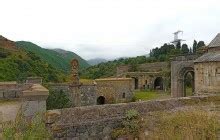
<point>131,125</point>
<point>23,129</point>
<point>58,100</point>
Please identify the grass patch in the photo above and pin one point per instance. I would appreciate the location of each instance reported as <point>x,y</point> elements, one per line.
<point>86,81</point>
<point>189,91</point>
<point>192,124</point>
<point>150,95</point>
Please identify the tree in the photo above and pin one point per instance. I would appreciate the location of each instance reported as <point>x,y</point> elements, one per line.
<point>185,49</point>
<point>200,44</point>
<point>194,46</point>
<point>178,46</point>
<point>58,100</point>
<point>190,50</point>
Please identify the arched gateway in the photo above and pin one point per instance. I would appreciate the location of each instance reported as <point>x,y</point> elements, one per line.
<point>180,67</point>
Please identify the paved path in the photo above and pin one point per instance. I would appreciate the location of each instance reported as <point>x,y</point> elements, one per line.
<point>8,112</point>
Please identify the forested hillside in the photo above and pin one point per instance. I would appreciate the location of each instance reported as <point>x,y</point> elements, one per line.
<point>96,61</point>
<point>16,64</point>
<point>158,54</point>
<point>58,58</point>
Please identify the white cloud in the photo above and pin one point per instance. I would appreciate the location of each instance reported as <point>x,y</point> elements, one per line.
<point>108,28</point>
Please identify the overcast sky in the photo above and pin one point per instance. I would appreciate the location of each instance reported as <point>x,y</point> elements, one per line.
<point>108,28</point>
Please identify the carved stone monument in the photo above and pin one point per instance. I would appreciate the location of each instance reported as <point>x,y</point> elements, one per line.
<point>74,72</point>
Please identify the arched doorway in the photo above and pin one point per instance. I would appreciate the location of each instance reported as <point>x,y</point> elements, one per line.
<point>188,84</point>
<point>158,83</point>
<point>135,82</point>
<point>100,100</point>
<point>186,81</point>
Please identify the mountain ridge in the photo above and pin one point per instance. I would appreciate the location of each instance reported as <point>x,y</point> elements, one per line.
<point>58,58</point>
<point>16,64</point>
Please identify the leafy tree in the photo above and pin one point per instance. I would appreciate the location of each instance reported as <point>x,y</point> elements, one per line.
<point>58,100</point>
<point>185,49</point>
<point>178,46</point>
<point>200,44</point>
<point>190,50</point>
<point>194,46</point>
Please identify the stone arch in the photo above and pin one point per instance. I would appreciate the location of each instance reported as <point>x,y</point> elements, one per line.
<point>179,68</point>
<point>100,100</point>
<point>191,72</point>
<point>182,76</point>
<point>158,83</point>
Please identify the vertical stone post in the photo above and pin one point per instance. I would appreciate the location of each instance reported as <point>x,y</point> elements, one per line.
<point>75,72</point>
<point>75,86</point>
<point>34,100</point>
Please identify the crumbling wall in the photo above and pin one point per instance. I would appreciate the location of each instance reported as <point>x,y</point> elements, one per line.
<point>97,122</point>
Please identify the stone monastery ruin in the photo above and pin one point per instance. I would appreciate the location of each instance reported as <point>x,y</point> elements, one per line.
<point>87,119</point>
<point>205,70</point>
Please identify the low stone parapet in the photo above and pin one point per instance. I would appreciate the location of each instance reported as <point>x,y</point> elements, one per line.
<point>98,121</point>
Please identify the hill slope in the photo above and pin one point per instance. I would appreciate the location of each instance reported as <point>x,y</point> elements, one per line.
<point>16,64</point>
<point>96,61</point>
<point>58,58</point>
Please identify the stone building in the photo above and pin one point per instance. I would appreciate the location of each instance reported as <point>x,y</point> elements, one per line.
<point>114,90</point>
<point>102,91</point>
<point>207,69</point>
<point>147,76</point>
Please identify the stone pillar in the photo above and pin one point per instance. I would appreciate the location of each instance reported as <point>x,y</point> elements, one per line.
<point>75,71</point>
<point>75,86</point>
<point>33,100</point>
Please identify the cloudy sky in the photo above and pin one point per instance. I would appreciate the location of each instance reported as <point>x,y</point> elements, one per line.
<point>108,28</point>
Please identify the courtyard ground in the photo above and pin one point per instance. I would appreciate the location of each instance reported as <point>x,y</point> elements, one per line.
<point>154,95</point>
<point>150,95</point>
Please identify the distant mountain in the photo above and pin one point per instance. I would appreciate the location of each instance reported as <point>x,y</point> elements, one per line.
<point>58,58</point>
<point>96,61</point>
<point>16,64</point>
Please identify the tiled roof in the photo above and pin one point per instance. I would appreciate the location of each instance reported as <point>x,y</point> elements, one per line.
<point>215,42</point>
<point>209,57</point>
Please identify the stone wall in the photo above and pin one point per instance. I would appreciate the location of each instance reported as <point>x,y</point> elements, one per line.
<point>88,95</point>
<point>179,67</point>
<point>12,90</point>
<point>115,90</point>
<point>31,97</point>
<point>146,67</point>
<point>97,122</point>
<point>207,77</point>
<point>146,74</point>
<point>153,67</point>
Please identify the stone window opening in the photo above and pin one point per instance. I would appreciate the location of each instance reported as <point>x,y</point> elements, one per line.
<point>217,70</point>
<point>146,82</point>
<point>123,95</point>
